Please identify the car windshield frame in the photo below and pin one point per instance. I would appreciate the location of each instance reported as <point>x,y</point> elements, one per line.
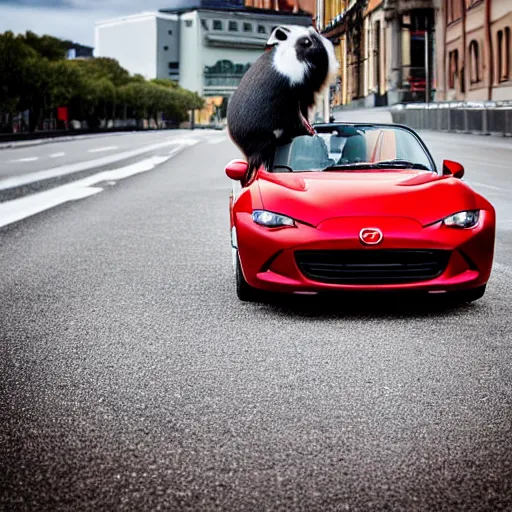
<point>323,128</point>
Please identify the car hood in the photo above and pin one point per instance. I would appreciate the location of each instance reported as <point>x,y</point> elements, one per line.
<point>313,197</point>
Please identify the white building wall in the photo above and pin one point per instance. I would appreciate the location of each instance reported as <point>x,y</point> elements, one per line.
<point>132,41</point>
<point>168,48</point>
<point>191,76</point>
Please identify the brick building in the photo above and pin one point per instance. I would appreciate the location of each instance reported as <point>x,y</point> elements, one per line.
<point>475,50</point>
<point>296,6</point>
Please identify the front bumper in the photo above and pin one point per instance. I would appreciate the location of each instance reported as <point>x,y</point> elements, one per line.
<point>268,261</point>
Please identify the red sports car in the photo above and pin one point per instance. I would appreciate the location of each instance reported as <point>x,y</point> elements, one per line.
<point>359,207</point>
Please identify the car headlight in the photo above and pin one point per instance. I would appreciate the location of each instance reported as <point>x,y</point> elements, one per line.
<point>468,219</point>
<point>271,220</point>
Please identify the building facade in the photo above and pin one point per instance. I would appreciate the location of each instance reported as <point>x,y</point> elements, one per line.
<point>474,60</point>
<point>295,6</point>
<point>205,50</point>
<point>385,48</point>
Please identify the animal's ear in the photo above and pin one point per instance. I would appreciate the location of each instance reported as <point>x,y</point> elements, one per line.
<point>279,34</point>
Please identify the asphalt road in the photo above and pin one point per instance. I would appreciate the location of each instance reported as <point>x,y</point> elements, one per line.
<point>131,378</point>
<point>37,157</point>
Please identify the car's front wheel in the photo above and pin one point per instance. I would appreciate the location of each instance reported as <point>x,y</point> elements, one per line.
<point>244,291</point>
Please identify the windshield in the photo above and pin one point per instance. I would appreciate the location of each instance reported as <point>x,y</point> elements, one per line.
<point>352,148</point>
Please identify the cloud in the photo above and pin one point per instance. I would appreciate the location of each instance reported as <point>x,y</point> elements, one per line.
<point>90,5</point>
<point>38,3</point>
<point>67,19</point>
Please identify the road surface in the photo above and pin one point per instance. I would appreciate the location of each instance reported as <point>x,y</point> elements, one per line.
<point>131,378</point>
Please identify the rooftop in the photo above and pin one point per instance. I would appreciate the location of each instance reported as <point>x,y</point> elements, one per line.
<point>137,17</point>
<point>180,6</point>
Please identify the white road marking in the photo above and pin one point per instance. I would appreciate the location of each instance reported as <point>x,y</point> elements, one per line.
<point>32,177</point>
<point>483,185</point>
<point>217,141</point>
<point>187,142</point>
<point>18,209</point>
<point>100,150</point>
<point>57,155</point>
<point>31,159</point>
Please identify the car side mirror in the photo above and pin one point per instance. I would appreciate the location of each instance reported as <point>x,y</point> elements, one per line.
<point>237,169</point>
<point>453,168</point>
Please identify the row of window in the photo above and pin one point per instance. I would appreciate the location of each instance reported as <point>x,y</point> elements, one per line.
<point>235,26</point>
<point>503,61</point>
<point>454,8</point>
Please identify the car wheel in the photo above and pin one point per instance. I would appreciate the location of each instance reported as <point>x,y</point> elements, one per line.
<point>244,291</point>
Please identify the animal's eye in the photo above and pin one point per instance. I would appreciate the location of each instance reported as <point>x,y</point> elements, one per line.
<point>306,42</point>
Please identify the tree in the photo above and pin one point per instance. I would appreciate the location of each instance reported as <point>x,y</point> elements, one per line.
<point>36,78</point>
<point>47,46</point>
<point>103,67</point>
<point>14,54</point>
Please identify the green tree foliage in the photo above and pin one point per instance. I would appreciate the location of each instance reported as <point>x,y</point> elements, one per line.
<point>36,78</point>
<point>48,47</point>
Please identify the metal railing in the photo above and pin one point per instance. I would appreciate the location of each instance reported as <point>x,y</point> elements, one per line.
<point>485,118</point>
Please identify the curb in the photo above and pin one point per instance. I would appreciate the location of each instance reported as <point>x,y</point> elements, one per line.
<point>50,140</point>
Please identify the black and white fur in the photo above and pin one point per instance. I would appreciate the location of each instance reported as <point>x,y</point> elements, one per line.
<point>276,96</point>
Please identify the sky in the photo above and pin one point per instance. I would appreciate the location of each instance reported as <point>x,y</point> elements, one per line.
<point>67,19</point>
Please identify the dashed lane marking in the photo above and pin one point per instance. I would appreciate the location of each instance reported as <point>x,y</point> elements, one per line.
<point>100,150</point>
<point>30,159</point>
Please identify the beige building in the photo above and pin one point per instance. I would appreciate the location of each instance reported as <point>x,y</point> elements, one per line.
<point>475,50</point>
<point>294,6</point>
<point>385,49</point>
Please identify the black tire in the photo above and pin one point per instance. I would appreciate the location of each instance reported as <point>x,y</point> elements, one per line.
<point>468,295</point>
<point>244,291</point>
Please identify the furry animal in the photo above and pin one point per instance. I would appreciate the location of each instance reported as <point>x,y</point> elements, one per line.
<point>273,102</point>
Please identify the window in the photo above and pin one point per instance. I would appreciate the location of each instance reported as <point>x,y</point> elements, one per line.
<point>503,54</point>
<point>233,26</point>
<point>454,10</point>
<point>453,71</point>
<point>166,48</point>
<point>169,32</point>
<point>346,146</point>
<point>262,29</point>
<point>247,27</point>
<point>217,25</point>
<point>174,65</point>
<point>188,23</point>
<point>474,62</point>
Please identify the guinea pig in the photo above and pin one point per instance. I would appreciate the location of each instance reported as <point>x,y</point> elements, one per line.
<point>273,102</point>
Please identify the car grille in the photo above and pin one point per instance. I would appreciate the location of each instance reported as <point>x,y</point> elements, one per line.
<point>372,266</point>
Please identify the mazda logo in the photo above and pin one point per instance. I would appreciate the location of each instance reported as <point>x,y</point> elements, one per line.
<point>371,236</point>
